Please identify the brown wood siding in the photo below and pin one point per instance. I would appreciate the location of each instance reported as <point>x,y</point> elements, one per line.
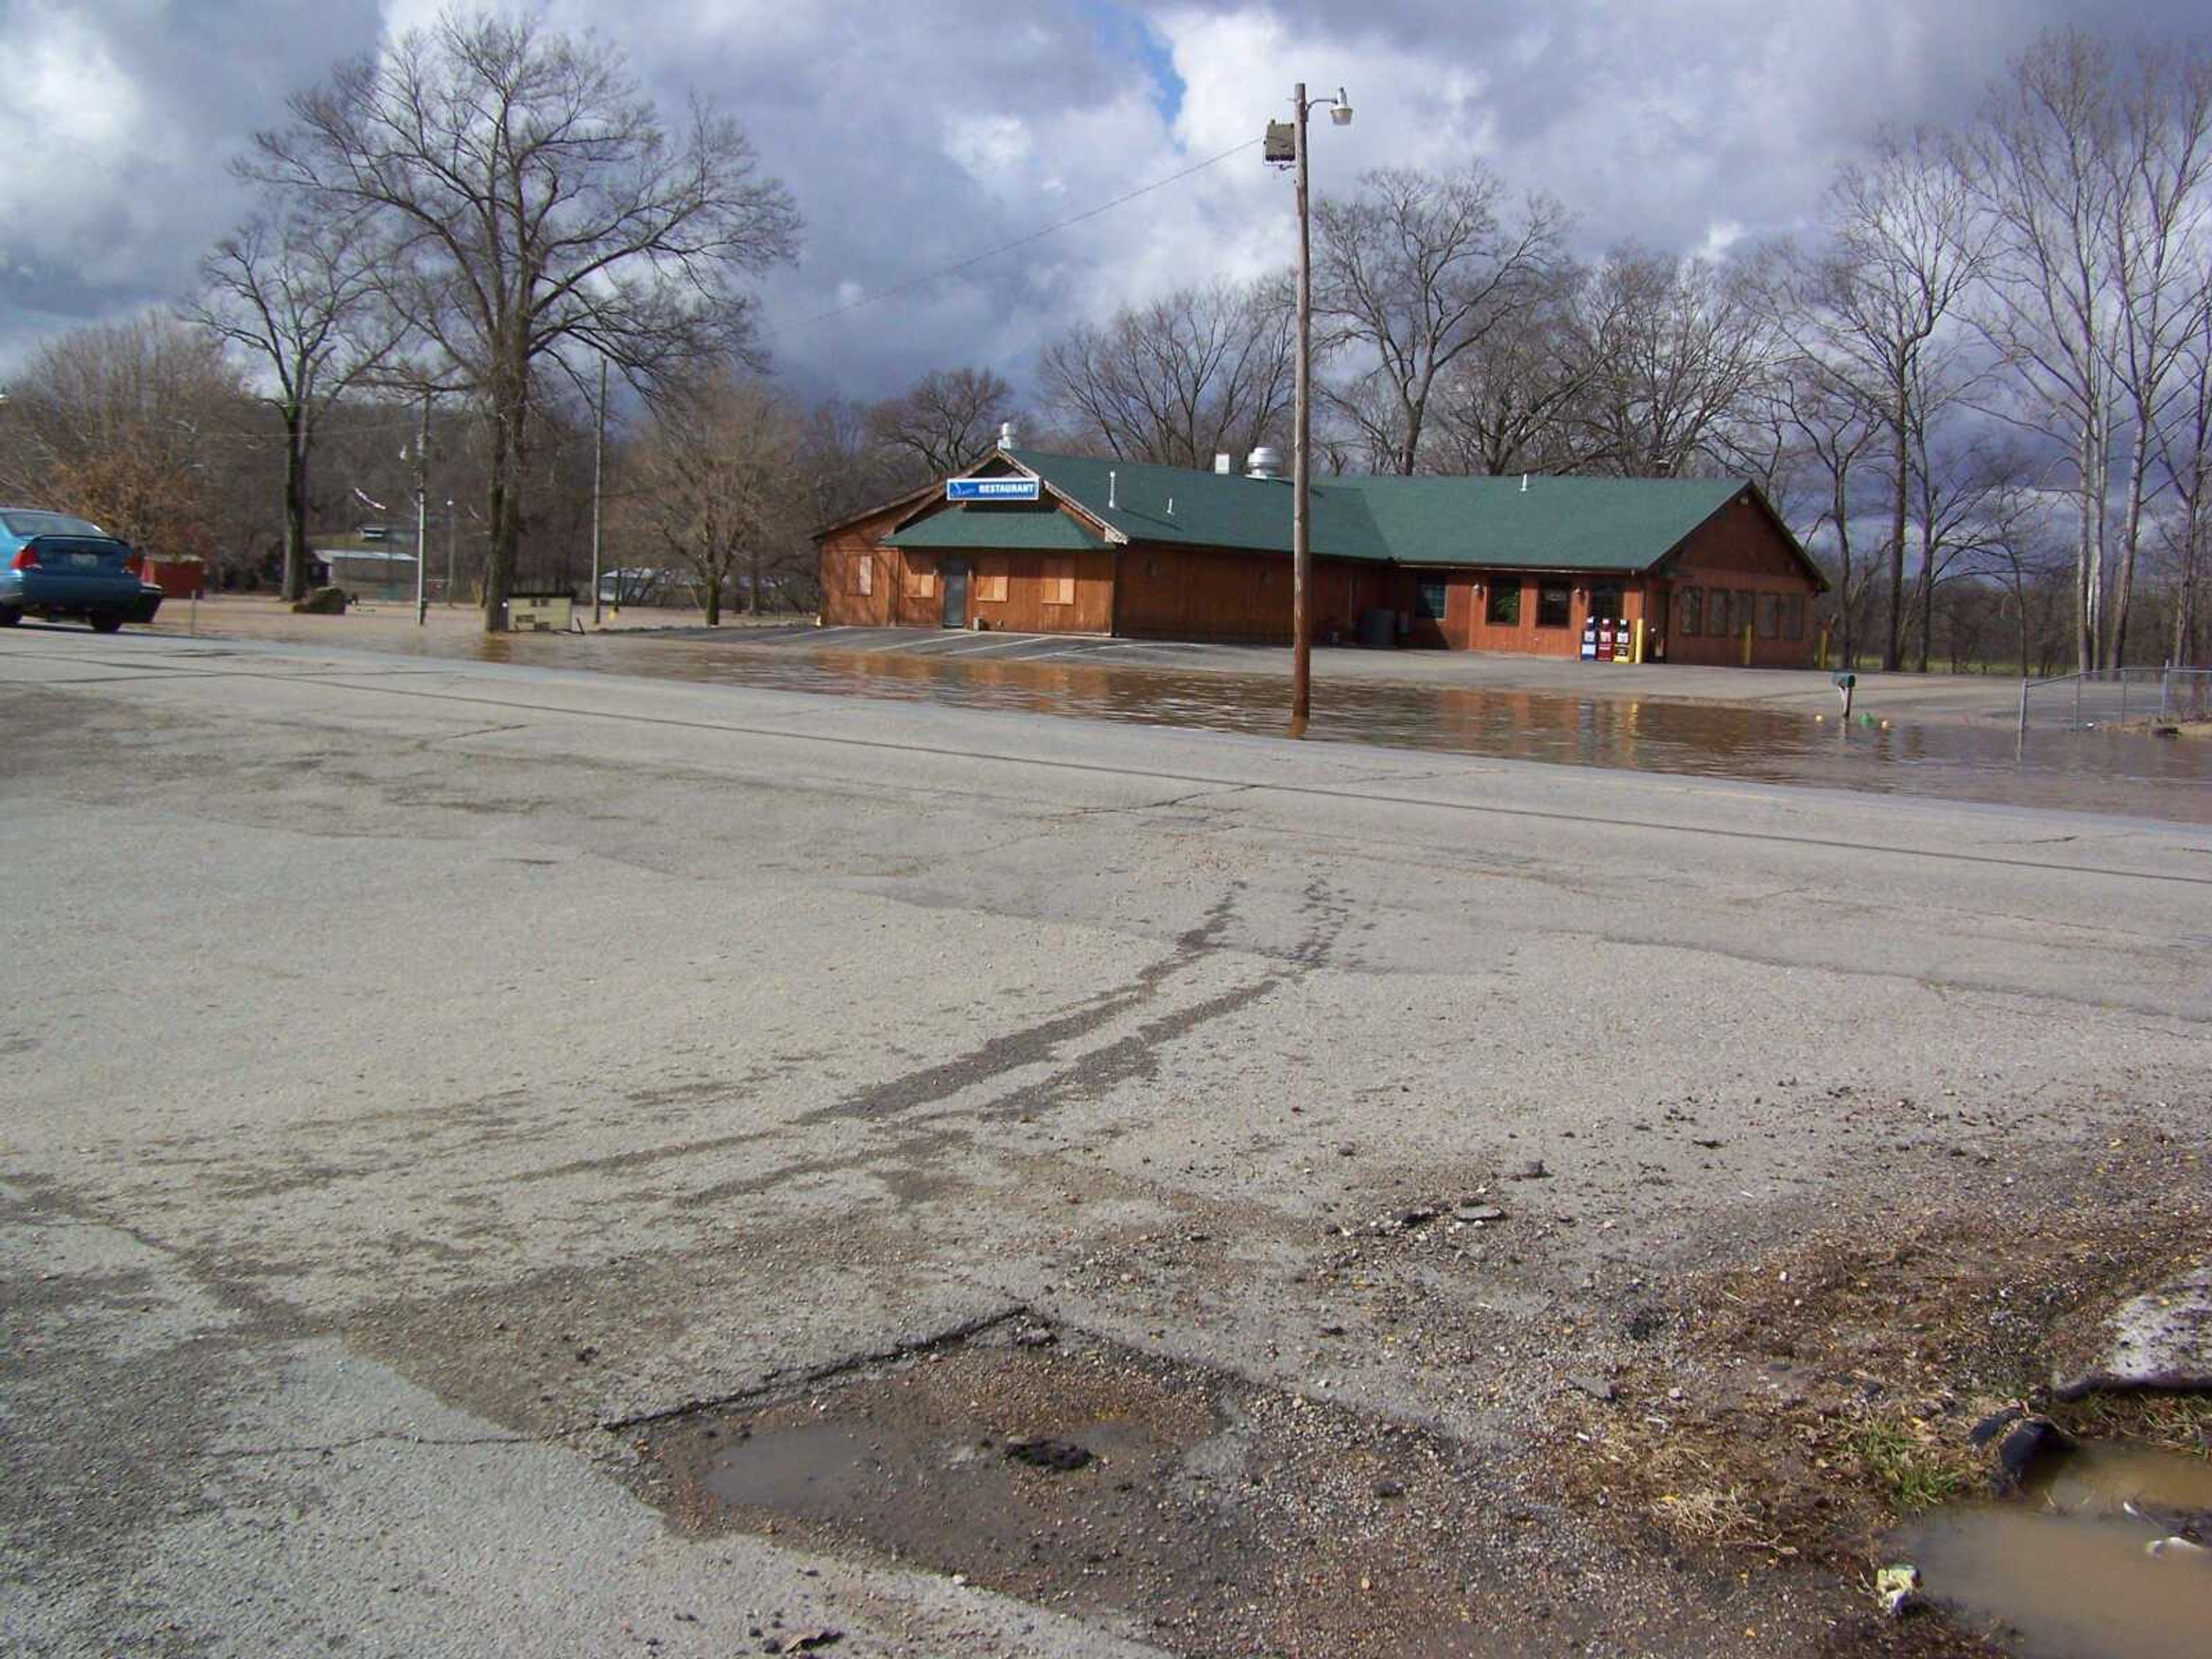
<point>1739,551</point>
<point>1195,593</point>
<point>1213,594</point>
<point>1032,580</point>
<point>843,552</point>
<point>920,601</point>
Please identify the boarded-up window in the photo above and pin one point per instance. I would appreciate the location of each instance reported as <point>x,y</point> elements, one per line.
<point>1060,581</point>
<point>864,574</point>
<point>1690,606</point>
<point>921,581</point>
<point>991,590</point>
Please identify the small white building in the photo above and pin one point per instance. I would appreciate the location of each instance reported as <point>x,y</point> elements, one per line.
<point>366,573</point>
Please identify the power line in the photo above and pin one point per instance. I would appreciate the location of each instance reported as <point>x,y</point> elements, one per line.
<point>928,277</point>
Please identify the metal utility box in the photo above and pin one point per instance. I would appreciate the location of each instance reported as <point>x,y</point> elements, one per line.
<point>1282,142</point>
<point>541,613</point>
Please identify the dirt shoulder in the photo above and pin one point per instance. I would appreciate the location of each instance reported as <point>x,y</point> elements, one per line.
<point>1793,1411</point>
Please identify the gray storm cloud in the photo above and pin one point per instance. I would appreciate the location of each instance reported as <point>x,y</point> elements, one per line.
<point>915,136</point>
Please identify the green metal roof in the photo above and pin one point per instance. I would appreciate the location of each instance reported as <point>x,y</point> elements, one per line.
<point>1020,527</point>
<point>1555,524</point>
<point>1210,509</point>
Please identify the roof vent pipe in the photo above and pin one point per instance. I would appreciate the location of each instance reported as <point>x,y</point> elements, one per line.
<point>1005,435</point>
<point>1112,506</point>
<point>1524,484</point>
<point>1265,462</point>
<point>1170,507</point>
<point>1223,463</point>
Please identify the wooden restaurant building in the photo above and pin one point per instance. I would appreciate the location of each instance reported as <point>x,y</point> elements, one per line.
<point>1683,570</point>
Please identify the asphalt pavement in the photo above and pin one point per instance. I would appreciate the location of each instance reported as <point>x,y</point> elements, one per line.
<point>422,1073</point>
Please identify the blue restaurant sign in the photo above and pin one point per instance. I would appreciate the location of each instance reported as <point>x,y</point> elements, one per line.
<point>992,489</point>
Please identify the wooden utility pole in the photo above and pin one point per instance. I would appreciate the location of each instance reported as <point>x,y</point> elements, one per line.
<point>1301,442</point>
<point>421,512</point>
<point>599,472</point>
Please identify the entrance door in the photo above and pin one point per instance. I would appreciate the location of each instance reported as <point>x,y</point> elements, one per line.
<point>954,578</point>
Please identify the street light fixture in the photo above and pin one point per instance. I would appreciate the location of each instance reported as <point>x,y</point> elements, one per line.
<point>1339,114</point>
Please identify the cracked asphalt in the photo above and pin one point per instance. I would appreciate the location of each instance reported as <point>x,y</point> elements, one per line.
<point>419,1074</point>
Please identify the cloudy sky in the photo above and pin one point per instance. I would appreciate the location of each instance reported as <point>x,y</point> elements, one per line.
<point>915,135</point>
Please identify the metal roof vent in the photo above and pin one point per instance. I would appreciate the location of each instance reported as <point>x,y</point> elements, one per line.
<point>1005,435</point>
<point>1265,462</point>
<point>1224,462</point>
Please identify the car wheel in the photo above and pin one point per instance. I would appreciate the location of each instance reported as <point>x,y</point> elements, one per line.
<point>9,617</point>
<point>105,624</point>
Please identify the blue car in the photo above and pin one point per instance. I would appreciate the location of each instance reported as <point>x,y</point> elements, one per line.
<point>54,566</point>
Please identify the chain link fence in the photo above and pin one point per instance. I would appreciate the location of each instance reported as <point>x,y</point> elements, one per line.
<point>2116,696</point>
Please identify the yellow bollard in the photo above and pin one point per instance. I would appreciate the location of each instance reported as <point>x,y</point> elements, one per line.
<point>1747,645</point>
<point>1824,651</point>
<point>1636,651</point>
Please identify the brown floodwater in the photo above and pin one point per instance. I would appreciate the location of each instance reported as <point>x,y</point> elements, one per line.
<point>2130,773</point>
<point>2102,1559</point>
<point>2105,771</point>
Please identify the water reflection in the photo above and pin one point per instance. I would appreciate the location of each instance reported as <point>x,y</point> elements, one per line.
<point>2102,771</point>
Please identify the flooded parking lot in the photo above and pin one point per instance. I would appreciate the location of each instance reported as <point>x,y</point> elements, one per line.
<point>2124,772</point>
<point>2128,772</point>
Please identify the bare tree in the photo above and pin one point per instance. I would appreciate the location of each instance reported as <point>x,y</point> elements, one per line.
<point>716,478</point>
<point>1507,403</point>
<point>2038,160</point>
<point>1410,274</point>
<point>1825,434</point>
<point>2185,454</point>
<point>1960,479</point>
<point>943,421</point>
<point>2160,228</point>
<point>844,468</point>
<point>1202,371</point>
<point>297,294</point>
<point>126,424</point>
<point>1906,247</point>
<point>533,207</point>
<point>2017,550</point>
<point>1672,350</point>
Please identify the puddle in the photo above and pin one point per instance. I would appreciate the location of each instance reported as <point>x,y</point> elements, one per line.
<point>1213,1515</point>
<point>2067,1571</point>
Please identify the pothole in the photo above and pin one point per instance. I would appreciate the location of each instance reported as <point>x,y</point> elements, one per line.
<point>1189,1508</point>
